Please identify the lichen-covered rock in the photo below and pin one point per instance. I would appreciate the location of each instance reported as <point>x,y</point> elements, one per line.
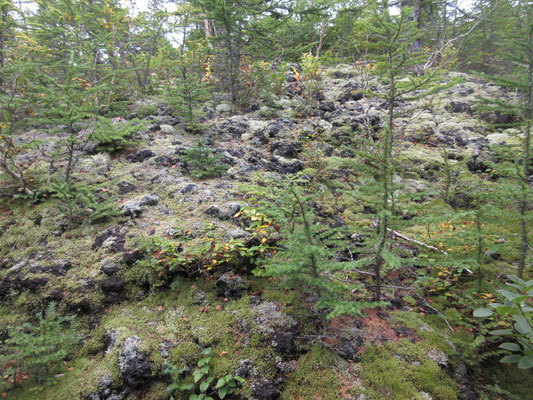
<point>112,284</point>
<point>286,149</point>
<point>264,390</point>
<point>132,208</point>
<point>140,156</point>
<point>134,367</point>
<point>223,108</point>
<point>284,165</point>
<point>281,327</point>
<point>111,239</point>
<point>126,187</point>
<point>224,212</point>
<point>231,286</point>
<point>246,369</point>
<point>109,267</point>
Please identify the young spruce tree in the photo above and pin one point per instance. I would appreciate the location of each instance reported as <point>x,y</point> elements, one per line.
<point>389,41</point>
<point>517,158</point>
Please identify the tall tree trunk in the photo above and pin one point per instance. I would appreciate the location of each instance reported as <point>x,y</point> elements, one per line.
<point>3,38</point>
<point>526,159</point>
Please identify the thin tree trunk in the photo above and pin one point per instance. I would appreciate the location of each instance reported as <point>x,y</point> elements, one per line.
<point>3,46</point>
<point>526,159</point>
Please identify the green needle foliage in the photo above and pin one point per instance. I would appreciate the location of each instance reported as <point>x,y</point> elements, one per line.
<point>79,205</point>
<point>201,163</point>
<point>520,79</point>
<point>391,43</point>
<point>306,259</point>
<point>37,349</point>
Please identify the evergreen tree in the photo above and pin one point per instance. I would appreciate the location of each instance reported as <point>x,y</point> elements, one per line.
<point>519,63</point>
<point>390,39</point>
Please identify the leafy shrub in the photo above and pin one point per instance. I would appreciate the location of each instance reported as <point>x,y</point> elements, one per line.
<point>259,80</point>
<point>308,81</point>
<point>201,163</point>
<point>203,387</point>
<point>167,257</point>
<point>516,313</point>
<point>36,349</point>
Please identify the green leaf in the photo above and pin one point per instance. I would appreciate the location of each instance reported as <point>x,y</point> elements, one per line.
<point>510,346</point>
<point>522,325</point>
<point>221,382</point>
<point>187,387</point>
<point>483,312</point>
<point>501,332</point>
<point>204,386</point>
<point>514,358</point>
<point>197,374</point>
<point>222,392</point>
<point>506,293</point>
<point>525,362</point>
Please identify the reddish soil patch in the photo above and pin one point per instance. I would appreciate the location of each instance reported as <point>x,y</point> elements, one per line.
<point>378,328</point>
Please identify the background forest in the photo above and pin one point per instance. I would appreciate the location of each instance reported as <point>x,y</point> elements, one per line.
<point>294,199</point>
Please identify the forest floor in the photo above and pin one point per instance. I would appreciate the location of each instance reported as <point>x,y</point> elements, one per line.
<point>422,345</point>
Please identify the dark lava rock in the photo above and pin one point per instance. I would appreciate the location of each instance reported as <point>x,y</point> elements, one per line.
<point>112,284</point>
<point>165,161</point>
<point>79,306</point>
<point>231,286</point>
<point>32,283</point>
<point>348,348</point>
<point>132,208</point>
<point>116,239</point>
<point>404,332</point>
<point>459,107</point>
<point>113,298</point>
<point>286,149</point>
<point>498,118</point>
<point>109,267</point>
<point>327,107</point>
<point>232,127</point>
<point>140,156</point>
<point>283,342</point>
<point>476,165</point>
<point>284,165</point>
<point>351,95</point>
<point>223,212</point>
<point>264,390</point>
<point>134,367</point>
<point>189,188</point>
<point>126,187</point>
<point>154,127</point>
<point>59,268</point>
<point>131,257</point>
<point>246,368</point>
<point>57,295</point>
